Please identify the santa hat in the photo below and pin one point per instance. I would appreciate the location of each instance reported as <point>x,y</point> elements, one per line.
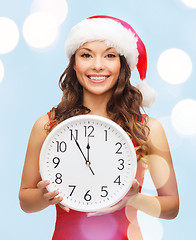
<point>120,35</point>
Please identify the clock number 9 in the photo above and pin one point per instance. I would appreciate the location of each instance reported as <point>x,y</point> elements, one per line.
<point>56,161</point>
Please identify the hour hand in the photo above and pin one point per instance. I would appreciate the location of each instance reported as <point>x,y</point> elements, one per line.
<point>88,151</point>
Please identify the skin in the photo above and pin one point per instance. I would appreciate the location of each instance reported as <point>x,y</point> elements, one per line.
<point>96,59</point>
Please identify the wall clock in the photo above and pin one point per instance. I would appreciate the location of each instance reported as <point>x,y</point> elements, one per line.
<point>90,160</point>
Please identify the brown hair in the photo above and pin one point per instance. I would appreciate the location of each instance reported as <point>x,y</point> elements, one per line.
<point>123,106</point>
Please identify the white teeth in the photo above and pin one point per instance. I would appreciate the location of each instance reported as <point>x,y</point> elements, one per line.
<point>97,78</point>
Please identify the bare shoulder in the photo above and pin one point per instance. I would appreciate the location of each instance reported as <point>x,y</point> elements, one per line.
<point>157,138</point>
<point>155,126</point>
<point>39,130</point>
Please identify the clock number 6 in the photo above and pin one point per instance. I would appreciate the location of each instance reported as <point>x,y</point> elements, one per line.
<point>87,196</point>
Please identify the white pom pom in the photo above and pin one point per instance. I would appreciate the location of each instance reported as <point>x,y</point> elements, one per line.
<point>149,94</point>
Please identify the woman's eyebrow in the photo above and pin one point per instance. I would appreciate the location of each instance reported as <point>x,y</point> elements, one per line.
<point>88,49</point>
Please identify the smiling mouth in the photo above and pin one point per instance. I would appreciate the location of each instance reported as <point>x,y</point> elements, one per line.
<point>98,79</point>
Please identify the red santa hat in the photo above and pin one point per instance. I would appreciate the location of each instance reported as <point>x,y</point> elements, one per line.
<point>120,35</point>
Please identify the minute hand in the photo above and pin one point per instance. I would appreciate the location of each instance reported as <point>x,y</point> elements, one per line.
<point>87,162</point>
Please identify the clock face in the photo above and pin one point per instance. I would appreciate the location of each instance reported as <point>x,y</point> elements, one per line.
<point>90,160</point>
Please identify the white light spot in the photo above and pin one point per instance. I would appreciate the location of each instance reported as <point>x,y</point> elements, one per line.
<point>9,35</point>
<point>151,227</point>
<point>174,66</point>
<point>97,228</point>
<point>190,3</point>
<point>57,8</point>
<point>40,30</point>
<point>1,71</point>
<point>183,117</point>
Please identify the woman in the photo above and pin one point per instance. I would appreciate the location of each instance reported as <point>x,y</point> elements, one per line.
<point>103,51</point>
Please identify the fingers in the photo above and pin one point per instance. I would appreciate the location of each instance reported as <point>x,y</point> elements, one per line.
<point>50,197</point>
<point>135,185</point>
<point>64,207</point>
<point>42,186</point>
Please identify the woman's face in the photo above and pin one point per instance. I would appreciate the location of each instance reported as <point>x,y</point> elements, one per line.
<point>97,67</point>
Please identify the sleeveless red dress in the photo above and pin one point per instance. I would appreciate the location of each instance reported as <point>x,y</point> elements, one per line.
<point>119,225</point>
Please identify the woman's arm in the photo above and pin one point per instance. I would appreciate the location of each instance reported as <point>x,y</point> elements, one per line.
<point>33,195</point>
<point>166,204</point>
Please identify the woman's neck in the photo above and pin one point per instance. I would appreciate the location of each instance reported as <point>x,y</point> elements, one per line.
<point>96,103</point>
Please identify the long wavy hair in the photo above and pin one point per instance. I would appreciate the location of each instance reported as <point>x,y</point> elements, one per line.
<point>123,107</point>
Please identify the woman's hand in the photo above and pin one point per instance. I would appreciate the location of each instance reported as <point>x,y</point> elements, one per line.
<point>51,197</point>
<point>136,187</point>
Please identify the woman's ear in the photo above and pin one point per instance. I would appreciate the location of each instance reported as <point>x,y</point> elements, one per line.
<point>74,66</point>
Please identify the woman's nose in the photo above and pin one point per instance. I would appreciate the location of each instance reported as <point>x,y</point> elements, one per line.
<point>98,63</point>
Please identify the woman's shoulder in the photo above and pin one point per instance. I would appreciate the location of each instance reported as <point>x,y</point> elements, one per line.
<point>41,122</point>
<point>40,127</point>
<point>157,136</point>
<point>153,124</point>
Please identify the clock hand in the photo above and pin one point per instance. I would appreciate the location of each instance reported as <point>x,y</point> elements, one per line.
<point>87,162</point>
<point>88,147</point>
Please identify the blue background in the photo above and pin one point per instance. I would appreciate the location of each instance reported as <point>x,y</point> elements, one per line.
<point>30,88</point>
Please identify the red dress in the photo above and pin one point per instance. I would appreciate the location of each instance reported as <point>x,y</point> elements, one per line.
<point>115,226</point>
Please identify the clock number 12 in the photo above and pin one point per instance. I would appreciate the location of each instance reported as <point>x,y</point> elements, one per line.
<point>88,131</point>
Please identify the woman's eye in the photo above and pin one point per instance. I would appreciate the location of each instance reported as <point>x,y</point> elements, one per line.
<point>110,55</point>
<point>85,55</point>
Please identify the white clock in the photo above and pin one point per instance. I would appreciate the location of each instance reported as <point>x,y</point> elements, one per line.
<point>90,160</point>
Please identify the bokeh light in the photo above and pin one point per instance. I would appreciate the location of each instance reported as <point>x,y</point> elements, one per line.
<point>151,227</point>
<point>9,35</point>
<point>1,71</point>
<point>174,66</point>
<point>40,30</point>
<point>57,8</point>
<point>159,170</point>
<point>190,3</point>
<point>183,117</point>
<point>98,228</point>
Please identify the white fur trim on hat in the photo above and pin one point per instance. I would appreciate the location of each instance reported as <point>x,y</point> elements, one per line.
<point>107,30</point>
<point>149,94</point>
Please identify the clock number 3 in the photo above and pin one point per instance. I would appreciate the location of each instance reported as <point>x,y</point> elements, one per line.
<point>121,164</point>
